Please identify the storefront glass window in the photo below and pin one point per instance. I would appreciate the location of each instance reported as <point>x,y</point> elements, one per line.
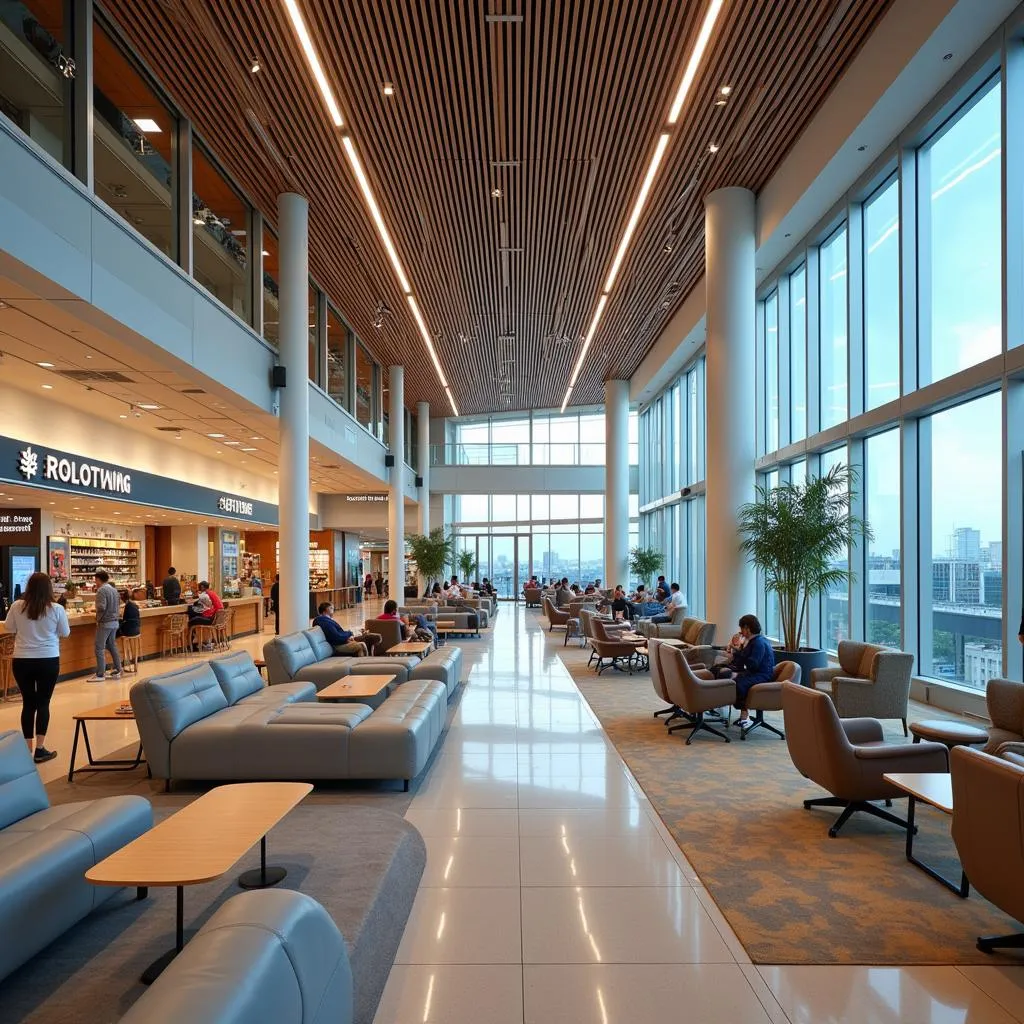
<point>832,352</point>
<point>133,132</point>
<point>33,62</point>
<point>337,359</point>
<point>364,386</point>
<point>221,226</point>
<point>271,303</point>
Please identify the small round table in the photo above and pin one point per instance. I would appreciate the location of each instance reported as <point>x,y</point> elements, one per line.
<point>952,734</point>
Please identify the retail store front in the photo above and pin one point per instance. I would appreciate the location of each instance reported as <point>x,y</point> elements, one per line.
<point>70,517</point>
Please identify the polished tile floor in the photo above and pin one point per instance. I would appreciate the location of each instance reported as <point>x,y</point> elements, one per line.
<point>552,891</point>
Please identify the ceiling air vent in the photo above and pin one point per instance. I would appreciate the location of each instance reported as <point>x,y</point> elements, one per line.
<point>191,391</point>
<point>96,376</point>
<point>170,430</point>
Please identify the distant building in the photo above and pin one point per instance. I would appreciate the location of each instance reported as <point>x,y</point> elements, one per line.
<point>992,587</point>
<point>965,544</point>
<point>955,581</point>
<point>982,662</point>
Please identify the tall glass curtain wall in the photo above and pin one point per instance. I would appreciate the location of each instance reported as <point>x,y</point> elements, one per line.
<point>904,370</point>
<point>235,254</point>
<point>673,447</point>
<point>516,536</point>
<point>535,439</point>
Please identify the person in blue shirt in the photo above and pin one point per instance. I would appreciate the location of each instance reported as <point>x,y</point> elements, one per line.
<point>342,640</point>
<point>752,663</point>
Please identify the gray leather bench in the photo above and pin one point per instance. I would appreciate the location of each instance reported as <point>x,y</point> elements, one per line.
<point>218,721</point>
<point>307,656</point>
<point>45,852</point>
<point>444,665</point>
<point>266,957</point>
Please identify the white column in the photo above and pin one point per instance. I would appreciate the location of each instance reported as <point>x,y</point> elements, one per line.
<point>616,483</point>
<point>293,455</point>
<point>423,464</point>
<point>396,498</point>
<point>731,442</point>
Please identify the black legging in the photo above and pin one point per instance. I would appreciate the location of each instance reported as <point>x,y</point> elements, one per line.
<point>36,678</point>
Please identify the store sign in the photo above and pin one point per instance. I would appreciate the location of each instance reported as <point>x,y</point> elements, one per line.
<point>68,470</point>
<point>19,527</point>
<point>234,506</point>
<point>366,497</point>
<point>41,467</point>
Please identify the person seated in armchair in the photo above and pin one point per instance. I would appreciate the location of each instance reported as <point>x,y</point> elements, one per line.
<point>752,663</point>
<point>344,641</point>
<point>676,599</point>
<point>621,608</point>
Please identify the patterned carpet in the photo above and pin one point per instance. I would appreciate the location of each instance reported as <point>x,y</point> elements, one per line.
<point>792,895</point>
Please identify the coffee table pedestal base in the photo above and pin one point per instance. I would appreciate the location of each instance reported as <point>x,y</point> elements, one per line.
<point>261,877</point>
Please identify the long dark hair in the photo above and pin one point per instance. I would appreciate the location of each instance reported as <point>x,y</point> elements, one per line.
<point>38,595</point>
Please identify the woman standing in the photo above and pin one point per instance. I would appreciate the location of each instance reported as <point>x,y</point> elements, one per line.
<point>39,624</point>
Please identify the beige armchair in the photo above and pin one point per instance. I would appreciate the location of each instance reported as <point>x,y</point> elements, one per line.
<point>988,830</point>
<point>390,630</point>
<point>849,757</point>
<point>555,616</point>
<point>1005,701</point>
<point>671,630</point>
<point>762,697</point>
<point>533,596</point>
<point>871,681</point>
<point>658,680</point>
<point>607,646</point>
<point>693,692</point>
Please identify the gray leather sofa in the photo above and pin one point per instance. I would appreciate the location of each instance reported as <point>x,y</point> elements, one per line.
<point>444,665</point>
<point>218,721</point>
<point>267,957</point>
<point>307,656</point>
<point>45,852</point>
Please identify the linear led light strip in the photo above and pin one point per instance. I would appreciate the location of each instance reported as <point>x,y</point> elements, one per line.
<point>689,74</point>
<point>364,186</point>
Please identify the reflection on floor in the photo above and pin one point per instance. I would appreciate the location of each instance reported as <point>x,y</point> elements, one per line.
<point>553,893</point>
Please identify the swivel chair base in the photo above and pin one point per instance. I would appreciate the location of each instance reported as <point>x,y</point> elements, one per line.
<point>851,807</point>
<point>698,724</point>
<point>990,943</point>
<point>760,723</point>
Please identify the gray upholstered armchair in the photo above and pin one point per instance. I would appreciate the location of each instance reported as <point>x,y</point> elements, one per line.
<point>1005,701</point>
<point>671,630</point>
<point>693,692</point>
<point>870,682</point>
<point>555,616</point>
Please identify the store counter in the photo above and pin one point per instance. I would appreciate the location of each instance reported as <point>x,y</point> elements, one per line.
<point>77,656</point>
<point>340,597</point>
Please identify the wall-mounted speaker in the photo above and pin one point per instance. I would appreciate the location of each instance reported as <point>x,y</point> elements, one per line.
<point>278,377</point>
<point>419,481</point>
<point>389,460</point>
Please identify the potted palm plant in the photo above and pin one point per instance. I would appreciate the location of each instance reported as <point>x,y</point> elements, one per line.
<point>643,564</point>
<point>432,552</point>
<point>467,563</point>
<point>797,536</point>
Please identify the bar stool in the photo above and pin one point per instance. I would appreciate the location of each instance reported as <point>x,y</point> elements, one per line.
<point>222,629</point>
<point>131,653</point>
<point>203,633</point>
<point>6,664</point>
<point>172,635</point>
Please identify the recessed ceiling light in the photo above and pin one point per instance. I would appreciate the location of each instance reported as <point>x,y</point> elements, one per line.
<point>254,66</point>
<point>53,503</point>
<point>117,513</point>
<point>496,193</point>
<point>149,405</point>
<point>703,38</point>
<point>725,90</point>
<point>147,124</point>
<point>232,442</point>
<point>713,148</point>
<point>214,435</point>
<point>388,89</point>
<point>248,449</point>
<point>45,366</point>
<point>720,103</point>
<point>123,416</point>
<point>256,437</point>
<point>47,387</point>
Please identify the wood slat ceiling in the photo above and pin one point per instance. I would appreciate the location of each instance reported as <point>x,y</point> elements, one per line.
<point>556,103</point>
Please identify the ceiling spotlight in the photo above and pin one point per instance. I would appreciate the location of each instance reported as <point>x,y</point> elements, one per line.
<point>713,148</point>
<point>382,310</point>
<point>255,66</point>
<point>725,90</point>
<point>148,406</point>
<point>214,435</point>
<point>720,102</point>
<point>496,193</point>
<point>47,387</point>
<point>45,366</point>
<point>388,89</point>
<point>123,416</point>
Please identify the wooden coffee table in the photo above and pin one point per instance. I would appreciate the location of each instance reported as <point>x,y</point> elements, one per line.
<point>355,688</point>
<point>200,843</point>
<point>421,648</point>
<point>107,713</point>
<point>935,788</point>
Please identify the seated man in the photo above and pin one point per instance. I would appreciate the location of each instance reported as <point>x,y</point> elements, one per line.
<point>419,627</point>
<point>344,642</point>
<point>676,599</point>
<point>751,664</point>
<point>563,596</point>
